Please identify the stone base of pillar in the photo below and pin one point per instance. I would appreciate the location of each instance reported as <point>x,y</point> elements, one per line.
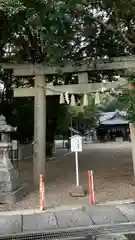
<point>77,191</point>
<point>11,188</point>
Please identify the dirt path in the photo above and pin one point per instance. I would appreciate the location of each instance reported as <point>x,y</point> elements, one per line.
<point>113,176</point>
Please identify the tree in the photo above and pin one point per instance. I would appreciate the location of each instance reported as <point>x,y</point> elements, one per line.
<point>63,121</point>
<point>115,16</point>
<point>31,30</point>
<point>127,98</point>
<point>51,31</point>
<point>114,105</point>
<point>89,114</point>
<point>54,32</point>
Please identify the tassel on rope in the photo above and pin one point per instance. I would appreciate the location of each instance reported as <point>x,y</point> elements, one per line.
<point>62,100</point>
<point>85,100</point>
<point>73,102</point>
<point>97,98</point>
<point>67,97</point>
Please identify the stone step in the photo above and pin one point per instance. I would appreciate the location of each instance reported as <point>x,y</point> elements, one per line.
<point>111,237</point>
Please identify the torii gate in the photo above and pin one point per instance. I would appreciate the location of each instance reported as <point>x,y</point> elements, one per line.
<point>40,90</point>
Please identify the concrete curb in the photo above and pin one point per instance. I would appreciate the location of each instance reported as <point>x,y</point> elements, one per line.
<point>64,207</point>
<point>117,202</point>
<point>34,220</point>
<point>37,210</point>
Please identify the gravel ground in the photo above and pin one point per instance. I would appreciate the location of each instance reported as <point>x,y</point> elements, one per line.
<point>113,176</point>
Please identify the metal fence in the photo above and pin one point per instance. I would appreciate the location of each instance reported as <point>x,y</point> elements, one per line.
<point>78,233</point>
<point>25,151</point>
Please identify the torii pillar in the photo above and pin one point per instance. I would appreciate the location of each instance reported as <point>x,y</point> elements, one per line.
<point>39,94</point>
<point>39,128</point>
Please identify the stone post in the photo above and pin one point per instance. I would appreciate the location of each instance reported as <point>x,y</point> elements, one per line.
<point>4,137</point>
<point>83,78</point>
<point>39,128</point>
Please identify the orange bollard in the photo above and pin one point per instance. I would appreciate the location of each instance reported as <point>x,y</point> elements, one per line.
<point>91,187</point>
<point>42,192</point>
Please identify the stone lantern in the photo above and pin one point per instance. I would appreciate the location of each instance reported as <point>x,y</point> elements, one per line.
<point>11,188</point>
<point>5,130</point>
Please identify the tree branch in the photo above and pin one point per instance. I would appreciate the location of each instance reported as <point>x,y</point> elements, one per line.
<point>131,44</point>
<point>116,31</point>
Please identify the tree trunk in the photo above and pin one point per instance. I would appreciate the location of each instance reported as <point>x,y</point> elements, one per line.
<point>49,149</point>
<point>52,114</point>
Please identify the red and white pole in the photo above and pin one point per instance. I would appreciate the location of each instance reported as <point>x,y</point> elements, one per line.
<point>91,187</point>
<point>42,192</point>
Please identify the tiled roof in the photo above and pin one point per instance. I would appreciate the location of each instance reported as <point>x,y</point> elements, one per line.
<point>113,118</point>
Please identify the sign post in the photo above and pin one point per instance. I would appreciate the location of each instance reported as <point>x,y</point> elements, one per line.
<point>76,146</point>
<point>77,169</point>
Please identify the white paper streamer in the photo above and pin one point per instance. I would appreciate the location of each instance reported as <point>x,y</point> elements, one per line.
<point>62,100</point>
<point>73,103</point>
<point>85,100</point>
<point>97,98</point>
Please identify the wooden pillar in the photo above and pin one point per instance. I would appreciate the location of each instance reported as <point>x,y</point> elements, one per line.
<point>39,129</point>
<point>132,128</point>
<point>132,135</point>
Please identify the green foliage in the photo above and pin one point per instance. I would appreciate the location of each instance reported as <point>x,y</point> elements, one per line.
<point>63,120</point>
<point>127,98</point>
<point>75,111</point>
<point>66,30</point>
<point>53,31</point>
<point>120,20</point>
<point>89,113</point>
<point>113,105</point>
